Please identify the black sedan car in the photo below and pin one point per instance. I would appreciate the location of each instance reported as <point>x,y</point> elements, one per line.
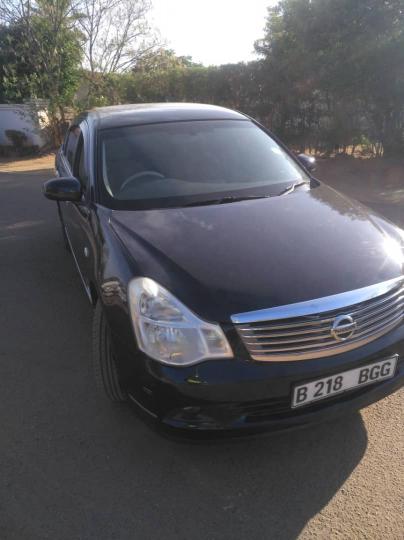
<point>232,291</point>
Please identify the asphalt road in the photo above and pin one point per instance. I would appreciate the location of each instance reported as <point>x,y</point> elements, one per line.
<point>73,466</point>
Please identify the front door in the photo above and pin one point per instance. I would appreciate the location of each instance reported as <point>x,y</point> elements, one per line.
<point>76,215</point>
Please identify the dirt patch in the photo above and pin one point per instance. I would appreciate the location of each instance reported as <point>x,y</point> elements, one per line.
<point>28,164</point>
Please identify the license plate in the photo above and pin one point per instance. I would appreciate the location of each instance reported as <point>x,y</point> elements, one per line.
<point>342,382</point>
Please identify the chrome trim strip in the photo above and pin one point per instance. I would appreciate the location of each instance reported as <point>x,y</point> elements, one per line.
<point>318,325</point>
<point>86,288</point>
<point>255,333</point>
<point>331,343</point>
<point>319,305</point>
<point>315,333</point>
<point>329,351</point>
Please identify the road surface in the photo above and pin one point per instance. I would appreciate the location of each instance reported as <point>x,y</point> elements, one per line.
<point>74,466</point>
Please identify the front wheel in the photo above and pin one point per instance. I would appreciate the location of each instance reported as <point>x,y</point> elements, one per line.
<point>105,370</point>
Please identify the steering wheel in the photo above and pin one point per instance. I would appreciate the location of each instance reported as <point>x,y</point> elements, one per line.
<point>138,175</point>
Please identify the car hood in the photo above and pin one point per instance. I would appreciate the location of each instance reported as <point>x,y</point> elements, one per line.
<point>232,258</point>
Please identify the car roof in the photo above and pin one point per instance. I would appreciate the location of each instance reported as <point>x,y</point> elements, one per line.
<point>150,113</point>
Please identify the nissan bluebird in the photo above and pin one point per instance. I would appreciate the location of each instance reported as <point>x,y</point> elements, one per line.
<point>232,291</point>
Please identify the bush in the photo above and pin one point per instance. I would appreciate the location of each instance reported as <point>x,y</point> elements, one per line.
<point>17,138</point>
<point>20,146</point>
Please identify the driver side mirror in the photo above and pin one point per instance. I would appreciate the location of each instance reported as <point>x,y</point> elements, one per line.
<point>308,162</point>
<point>63,189</point>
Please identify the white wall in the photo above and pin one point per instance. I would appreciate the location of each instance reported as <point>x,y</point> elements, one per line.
<point>23,118</point>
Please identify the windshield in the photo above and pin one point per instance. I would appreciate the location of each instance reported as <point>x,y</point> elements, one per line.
<point>178,163</point>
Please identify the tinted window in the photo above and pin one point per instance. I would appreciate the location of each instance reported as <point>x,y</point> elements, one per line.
<point>173,163</point>
<point>71,144</point>
<point>81,167</point>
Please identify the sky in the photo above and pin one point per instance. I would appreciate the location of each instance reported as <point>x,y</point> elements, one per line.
<point>211,31</point>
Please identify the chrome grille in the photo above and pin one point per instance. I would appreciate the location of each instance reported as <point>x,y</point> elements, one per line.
<point>304,330</point>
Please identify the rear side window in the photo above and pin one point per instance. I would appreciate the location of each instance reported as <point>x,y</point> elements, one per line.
<point>71,144</point>
<point>80,168</point>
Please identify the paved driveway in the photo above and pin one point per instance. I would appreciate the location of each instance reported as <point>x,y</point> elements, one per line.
<point>73,466</point>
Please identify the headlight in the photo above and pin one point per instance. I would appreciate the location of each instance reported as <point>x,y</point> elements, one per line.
<point>168,331</point>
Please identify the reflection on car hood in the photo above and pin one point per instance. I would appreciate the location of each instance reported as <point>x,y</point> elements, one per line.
<point>249,255</point>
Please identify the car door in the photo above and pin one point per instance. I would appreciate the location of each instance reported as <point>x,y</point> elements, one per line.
<point>74,161</point>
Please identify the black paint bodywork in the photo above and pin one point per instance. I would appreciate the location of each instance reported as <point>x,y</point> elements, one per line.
<point>225,259</point>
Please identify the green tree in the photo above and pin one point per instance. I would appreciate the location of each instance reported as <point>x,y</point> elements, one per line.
<point>336,67</point>
<point>40,54</point>
<point>161,60</point>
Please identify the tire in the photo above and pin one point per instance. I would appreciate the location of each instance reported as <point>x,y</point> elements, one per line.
<point>105,370</point>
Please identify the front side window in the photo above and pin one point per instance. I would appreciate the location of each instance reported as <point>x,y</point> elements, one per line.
<point>177,163</point>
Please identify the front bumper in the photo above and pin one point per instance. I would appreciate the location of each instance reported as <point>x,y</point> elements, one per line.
<point>238,395</point>
<point>276,416</point>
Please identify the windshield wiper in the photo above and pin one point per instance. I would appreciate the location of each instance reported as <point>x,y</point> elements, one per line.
<point>292,187</point>
<point>229,199</point>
